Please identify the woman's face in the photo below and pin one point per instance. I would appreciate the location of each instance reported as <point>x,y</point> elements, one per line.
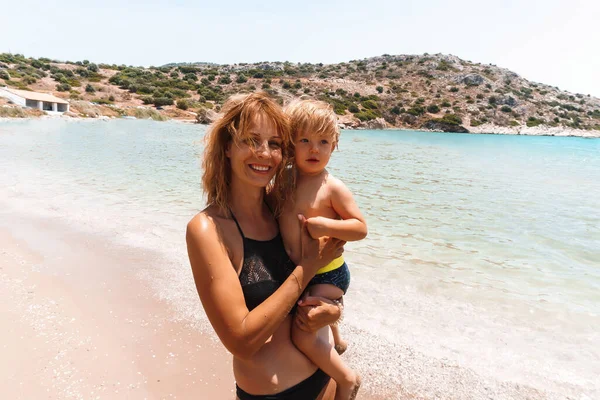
<point>256,157</point>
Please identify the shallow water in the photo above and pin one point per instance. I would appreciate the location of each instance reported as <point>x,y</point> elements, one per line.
<point>483,250</point>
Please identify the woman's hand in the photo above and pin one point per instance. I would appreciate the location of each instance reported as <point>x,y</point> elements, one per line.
<point>317,227</point>
<point>317,253</point>
<point>313,313</point>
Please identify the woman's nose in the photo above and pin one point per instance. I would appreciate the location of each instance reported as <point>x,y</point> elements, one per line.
<point>263,149</point>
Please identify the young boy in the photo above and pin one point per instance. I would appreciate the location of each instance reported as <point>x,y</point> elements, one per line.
<point>327,208</point>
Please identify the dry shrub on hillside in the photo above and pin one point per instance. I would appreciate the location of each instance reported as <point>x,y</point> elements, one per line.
<point>108,111</point>
<point>89,110</point>
<point>18,112</point>
<point>12,112</point>
<point>85,109</point>
<point>179,114</point>
<point>147,113</point>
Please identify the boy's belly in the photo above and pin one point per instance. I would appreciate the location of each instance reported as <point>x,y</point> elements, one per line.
<point>335,264</point>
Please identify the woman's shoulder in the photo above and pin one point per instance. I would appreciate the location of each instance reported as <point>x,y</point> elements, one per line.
<point>206,225</point>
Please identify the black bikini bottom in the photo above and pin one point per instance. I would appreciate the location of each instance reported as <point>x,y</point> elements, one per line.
<point>308,389</point>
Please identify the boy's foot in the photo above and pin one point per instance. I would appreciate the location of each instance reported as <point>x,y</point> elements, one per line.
<point>348,390</point>
<point>341,347</point>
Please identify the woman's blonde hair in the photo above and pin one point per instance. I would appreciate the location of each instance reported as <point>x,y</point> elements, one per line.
<point>239,112</point>
<point>313,116</point>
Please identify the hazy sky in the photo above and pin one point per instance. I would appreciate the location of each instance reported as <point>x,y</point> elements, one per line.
<point>552,41</point>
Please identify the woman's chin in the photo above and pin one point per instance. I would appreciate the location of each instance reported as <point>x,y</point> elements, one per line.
<point>261,182</point>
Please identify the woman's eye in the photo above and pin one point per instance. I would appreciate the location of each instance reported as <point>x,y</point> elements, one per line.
<point>275,144</point>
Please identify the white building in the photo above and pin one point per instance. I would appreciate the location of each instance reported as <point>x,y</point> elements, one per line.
<point>42,101</point>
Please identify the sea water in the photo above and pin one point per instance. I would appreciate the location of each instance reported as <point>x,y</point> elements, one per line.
<point>483,251</point>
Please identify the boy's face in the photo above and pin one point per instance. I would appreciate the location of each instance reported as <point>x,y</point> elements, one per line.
<point>313,152</point>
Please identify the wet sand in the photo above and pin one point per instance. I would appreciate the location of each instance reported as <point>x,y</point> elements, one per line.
<point>80,323</point>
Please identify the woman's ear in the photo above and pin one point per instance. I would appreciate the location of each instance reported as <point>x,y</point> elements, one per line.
<point>228,149</point>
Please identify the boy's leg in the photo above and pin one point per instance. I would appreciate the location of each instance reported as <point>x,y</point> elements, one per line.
<point>331,292</point>
<point>320,351</point>
<point>318,348</point>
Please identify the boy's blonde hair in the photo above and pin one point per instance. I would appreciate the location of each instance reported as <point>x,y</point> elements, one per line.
<point>315,117</point>
<point>239,112</point>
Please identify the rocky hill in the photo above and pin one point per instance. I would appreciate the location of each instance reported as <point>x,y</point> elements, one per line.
<point>433,92</point>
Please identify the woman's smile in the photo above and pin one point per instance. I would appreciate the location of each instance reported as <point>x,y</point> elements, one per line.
<point>260,168</point>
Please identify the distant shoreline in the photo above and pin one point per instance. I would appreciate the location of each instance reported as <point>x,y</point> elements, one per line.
<point>437,92</point>
<point>487,129</point>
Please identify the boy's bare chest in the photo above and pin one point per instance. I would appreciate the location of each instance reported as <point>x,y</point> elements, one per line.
<point>313,201</point>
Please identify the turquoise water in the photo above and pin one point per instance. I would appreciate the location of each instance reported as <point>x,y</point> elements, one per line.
<point>483,250</point>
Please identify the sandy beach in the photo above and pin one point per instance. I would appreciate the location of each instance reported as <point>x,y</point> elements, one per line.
<point>80,325</point>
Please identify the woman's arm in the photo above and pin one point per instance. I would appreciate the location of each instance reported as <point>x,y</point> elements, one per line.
<point>244,332</point>
<point>350,227</point>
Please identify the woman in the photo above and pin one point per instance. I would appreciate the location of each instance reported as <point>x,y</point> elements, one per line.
<point>246,281</point>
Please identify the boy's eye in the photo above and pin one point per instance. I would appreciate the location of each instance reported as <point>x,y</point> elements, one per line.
<point>303,140</point>
<point>324,141</point>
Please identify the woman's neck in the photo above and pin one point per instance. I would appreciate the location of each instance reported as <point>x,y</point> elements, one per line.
<point>246,200</point>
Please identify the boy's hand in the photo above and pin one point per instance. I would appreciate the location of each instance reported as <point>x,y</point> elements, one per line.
<point>317,227</point>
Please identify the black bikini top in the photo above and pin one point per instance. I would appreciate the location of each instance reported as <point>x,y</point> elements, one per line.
<point>266,266</point>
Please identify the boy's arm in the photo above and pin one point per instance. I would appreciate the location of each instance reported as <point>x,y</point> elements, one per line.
<point>352,225</point>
